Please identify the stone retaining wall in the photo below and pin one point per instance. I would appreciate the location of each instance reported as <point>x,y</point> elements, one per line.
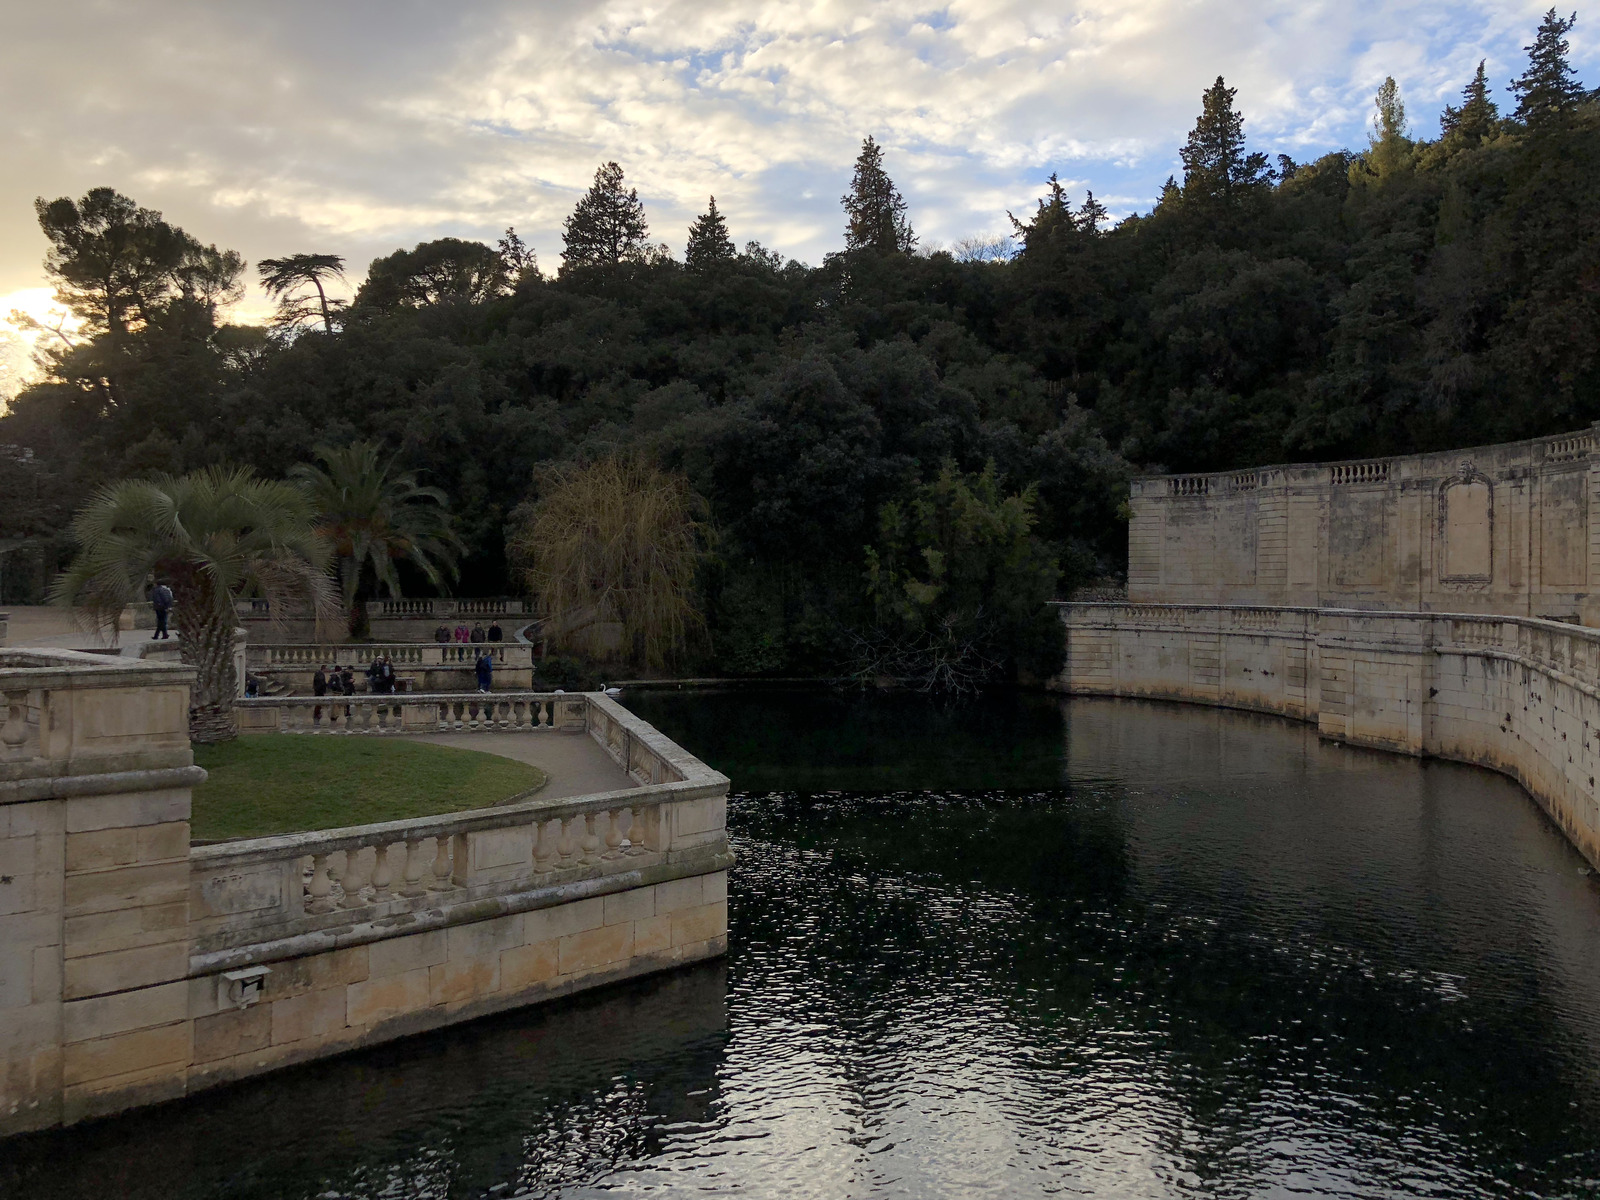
<point>135,967</point>
<point>1512,528</point>
<point>1514,694</point>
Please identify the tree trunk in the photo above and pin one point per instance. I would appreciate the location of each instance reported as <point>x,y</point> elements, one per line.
<point>205,642</point>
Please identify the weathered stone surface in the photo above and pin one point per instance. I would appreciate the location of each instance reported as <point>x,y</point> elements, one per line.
<point>115,934</point>
<point>1492,529</point>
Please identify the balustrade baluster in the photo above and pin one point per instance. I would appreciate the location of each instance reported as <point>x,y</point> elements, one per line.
<point>382,871</point>
<point>568,844</point>
<point>355,879</point>
<point>635,832</point>
<point>591,841</point>
<point>415,865</point>
<point>441,865</point>
<point>320,888</point>
<point>546,836</point>
<point>613,833</point>
<point>645,832</point>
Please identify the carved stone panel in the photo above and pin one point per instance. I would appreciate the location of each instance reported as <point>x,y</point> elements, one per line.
<point>1466,528</point>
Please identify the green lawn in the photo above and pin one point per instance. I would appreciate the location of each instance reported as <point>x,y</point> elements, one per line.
<point>285,783</point>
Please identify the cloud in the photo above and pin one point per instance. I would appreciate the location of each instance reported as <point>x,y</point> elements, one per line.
<point>362,126</point>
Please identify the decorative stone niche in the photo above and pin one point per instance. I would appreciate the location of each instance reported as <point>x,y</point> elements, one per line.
<point>1466,528</point>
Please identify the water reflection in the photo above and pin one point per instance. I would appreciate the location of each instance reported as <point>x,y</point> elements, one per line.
<point>1021,949</point>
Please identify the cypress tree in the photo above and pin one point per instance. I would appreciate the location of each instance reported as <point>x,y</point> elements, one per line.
<point>608,224</point>
<point>709,242</point>
<point>875,208</point>
<point>1546,93</point>
<point>1215,165</point>
<point>1476,118</point>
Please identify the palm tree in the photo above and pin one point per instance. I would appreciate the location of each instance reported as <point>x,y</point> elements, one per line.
<point>285,280</point>
<point>212,535</point>
<point>373,517</point>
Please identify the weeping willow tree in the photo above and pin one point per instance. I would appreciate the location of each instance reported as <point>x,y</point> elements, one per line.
<point>212,536</point>
<point>614,542</point>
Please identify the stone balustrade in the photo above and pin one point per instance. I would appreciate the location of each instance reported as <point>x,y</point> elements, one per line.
<point>258,899</point>
<point>426,608</point>
<point>136,967</point>
<point>1516,694</point>
<point>497,712</point>
<point>1507,528</point>
<point>402,654</point>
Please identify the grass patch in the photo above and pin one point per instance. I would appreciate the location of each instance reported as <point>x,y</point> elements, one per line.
<point>282,783</point>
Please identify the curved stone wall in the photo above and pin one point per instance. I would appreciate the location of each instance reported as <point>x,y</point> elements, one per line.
<point>1493,529</point>
<point>1517,695</point>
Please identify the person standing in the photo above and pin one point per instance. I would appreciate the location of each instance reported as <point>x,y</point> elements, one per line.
<point>462,635</point>
<point>478,636</point>
<point>496,634</point>
<point>485,670</point>
<point>161,601</point>
<point>442,634</point>
<point>319,687</point>
<point>386,675</point>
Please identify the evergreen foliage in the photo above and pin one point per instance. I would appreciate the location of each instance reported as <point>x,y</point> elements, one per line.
<point>1547,92</point>
<point>875,210</point>
<point>1217,169</point>
<point>608,224</point>
<point>709,243</point>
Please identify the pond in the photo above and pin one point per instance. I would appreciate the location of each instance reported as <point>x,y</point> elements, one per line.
<point>1020,947</point>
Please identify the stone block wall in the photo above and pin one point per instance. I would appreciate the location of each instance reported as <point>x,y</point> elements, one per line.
<point>135,967</point>
<point>1516,695</point>
<point>1511,529</point>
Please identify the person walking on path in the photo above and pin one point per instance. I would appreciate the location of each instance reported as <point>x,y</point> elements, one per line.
<point>485,670</point>
<point>161,601</point>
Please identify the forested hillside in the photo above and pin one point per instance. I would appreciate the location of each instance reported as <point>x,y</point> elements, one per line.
<point>838,419</point>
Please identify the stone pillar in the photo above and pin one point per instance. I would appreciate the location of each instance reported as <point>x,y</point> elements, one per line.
<point>95,779</point>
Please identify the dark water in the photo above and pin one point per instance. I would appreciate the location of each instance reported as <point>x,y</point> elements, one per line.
<point>1025,948</point>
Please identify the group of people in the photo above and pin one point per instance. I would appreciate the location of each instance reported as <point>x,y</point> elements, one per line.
<point>475,636</point>
<point>380,676</point>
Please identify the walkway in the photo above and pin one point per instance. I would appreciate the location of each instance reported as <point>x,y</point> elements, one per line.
<point>574,762</point>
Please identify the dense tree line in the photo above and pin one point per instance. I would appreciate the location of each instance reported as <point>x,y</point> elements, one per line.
<point>851,424</point>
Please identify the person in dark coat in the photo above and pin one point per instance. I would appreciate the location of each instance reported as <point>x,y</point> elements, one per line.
<point>496,634</point>
<point>478,636</point>
<point>373,673</point>
<point>386,676</point>
<point>319,687</point>
<point>161,601</point>
<point>485,670</point>
<point>442,634</point>
<point>347,685</point>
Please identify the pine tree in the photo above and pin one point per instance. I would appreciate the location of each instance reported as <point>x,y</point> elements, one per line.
<point>608,224</point>
<point>1215,165</point>
<point>1476,118</point>
<point>709,242</point>
<point>1092,215</point>
<point>875,208</point>
<point>1050,223</point>
<point>1547,92</point>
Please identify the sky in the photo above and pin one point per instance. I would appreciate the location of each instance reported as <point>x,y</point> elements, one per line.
<point>356,127</point>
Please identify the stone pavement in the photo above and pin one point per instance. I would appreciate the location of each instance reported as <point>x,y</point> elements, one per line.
<point>574,762</point>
